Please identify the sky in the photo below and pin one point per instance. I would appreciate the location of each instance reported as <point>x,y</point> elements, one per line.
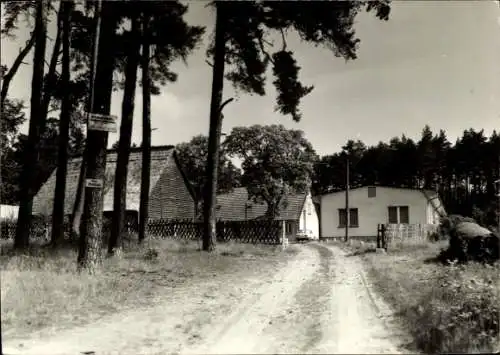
<point>433,62</point>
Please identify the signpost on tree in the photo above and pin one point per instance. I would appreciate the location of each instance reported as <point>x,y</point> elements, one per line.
<point>99,123</point>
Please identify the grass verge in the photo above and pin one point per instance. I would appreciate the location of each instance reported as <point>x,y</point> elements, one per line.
<point>447,308</point>
<point>42,290</point>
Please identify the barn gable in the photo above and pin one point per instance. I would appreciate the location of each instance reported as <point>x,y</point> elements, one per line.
<point>164,167</point>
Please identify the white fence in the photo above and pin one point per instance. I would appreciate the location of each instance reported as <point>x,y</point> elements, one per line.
<point>409,233</point>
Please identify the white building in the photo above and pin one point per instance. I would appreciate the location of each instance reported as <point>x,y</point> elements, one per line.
<point>9,212</point>
<point>370,206</point>
<point>298,212</point>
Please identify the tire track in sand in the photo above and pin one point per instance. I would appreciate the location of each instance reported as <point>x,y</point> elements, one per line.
<point>255,327</point>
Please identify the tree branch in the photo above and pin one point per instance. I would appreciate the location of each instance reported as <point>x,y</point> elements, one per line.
<point>209,64</point>
<point>263,50</point>
<point>283,38</point>
<point>7,78</point>
<point>225,103</point>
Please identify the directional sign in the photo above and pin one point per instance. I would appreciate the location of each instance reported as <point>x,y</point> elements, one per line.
<point>94,183</point>
<point>98,122</point>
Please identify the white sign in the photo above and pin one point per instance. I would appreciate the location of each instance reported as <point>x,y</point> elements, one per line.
<point>95,183</point>
<point>98,122</point>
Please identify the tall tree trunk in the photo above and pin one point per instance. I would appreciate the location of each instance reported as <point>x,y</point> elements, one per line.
<point>7,78</point>
<point>21,240</point>
<point>76,216</point>
<point>146,132</point>
<point>120,190</point>
<point>89,253</point>
<point>65,117</point>
<point>51,73</point>
<point>210,191</point>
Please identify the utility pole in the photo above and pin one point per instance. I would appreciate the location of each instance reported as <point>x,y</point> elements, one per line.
<point>98,125</point>
<point>347,200</point>
<point>498,195</point>
<point>1,347</point>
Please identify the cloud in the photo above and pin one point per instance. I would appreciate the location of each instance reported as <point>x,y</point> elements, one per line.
<point>172,116</point>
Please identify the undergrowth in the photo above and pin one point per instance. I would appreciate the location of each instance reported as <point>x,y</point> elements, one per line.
<point>461,311</point>
<point>448,308</point>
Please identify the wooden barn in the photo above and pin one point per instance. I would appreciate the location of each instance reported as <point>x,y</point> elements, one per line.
<point>171,196</point>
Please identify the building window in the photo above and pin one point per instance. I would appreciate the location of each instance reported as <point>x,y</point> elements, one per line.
<point>404,214</point>
<point>372,191</point>
<point>353,217</point>
<point>393,215</point>
<point>399,214</point>
<point>342,217</point>
<point>309,208</point>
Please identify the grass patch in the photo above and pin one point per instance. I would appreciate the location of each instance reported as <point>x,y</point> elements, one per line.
<point>448,308</point>
<point>42,289</point>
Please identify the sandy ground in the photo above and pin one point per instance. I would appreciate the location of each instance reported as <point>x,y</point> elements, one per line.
<point>320,302</point>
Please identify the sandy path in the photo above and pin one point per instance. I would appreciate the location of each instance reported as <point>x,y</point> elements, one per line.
<point>317,303</point>
<point>359,321</point>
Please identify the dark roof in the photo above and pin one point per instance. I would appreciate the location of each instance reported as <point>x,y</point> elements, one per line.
<point>161,157</point>
<point>231,206</point>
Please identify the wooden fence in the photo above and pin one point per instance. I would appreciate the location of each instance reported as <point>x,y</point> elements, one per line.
<point>38,229</point>
<point>404,234</point>
<point>252,231</point>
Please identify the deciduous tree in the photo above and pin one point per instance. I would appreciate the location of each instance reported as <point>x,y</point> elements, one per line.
<point>193,158</point>
<point>12,116</point>
<point>276,162</point>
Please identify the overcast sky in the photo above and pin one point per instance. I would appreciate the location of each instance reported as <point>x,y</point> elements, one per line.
<point>433,62</point>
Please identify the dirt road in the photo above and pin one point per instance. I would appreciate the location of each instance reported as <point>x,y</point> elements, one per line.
<point>319,303</point>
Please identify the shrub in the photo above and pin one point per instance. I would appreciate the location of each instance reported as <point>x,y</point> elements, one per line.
<point>468,241</point>
<point>435,236</point>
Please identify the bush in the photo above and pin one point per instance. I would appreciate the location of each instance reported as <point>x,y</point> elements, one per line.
<point>468,241</point>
